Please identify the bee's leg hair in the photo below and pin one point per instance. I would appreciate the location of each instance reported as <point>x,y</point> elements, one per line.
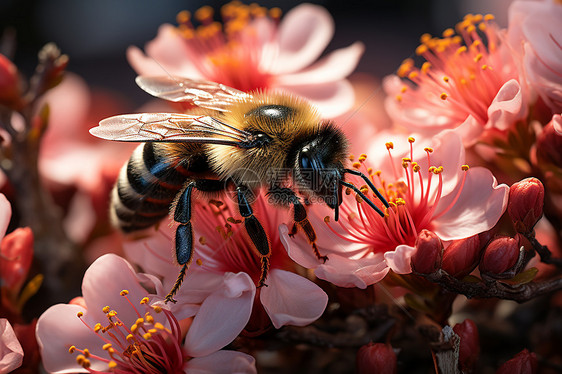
<point>184,231</point>
<point>286,196</point>
<point>255,231</point>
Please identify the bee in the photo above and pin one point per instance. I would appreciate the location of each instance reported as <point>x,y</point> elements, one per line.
<point>231,141</point>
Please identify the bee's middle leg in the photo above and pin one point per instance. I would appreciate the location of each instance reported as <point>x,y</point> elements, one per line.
<point>184,231</point>
<point>286,196</point>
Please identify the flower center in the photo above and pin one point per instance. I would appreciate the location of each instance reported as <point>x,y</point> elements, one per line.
<point>413,197</point>
<point>462,72</point>
<point>230,52</point>
<point>146,346</point>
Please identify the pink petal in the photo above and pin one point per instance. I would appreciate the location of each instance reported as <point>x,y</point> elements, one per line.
<point>5,214</point>
<point>399,259</point>
<point>103,282</point>
<point>507,107</point>
<point>347,272</point>
<point>57,329</point>
<point>291,299</point>
<point>167,53</point>
<point>478,208</point>
<point>557,122</point>
<point>222,362</point>
<point>331,98</point>
<point>304,33</point>
<point>335,66</point>
<point>469,130</point>
<point>222,316</point>
<point>11,352</point>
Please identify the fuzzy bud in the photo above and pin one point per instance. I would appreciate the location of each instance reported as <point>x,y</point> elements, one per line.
<point>376,358</point>
<point>9,82</point>
<point>469,346</point>
<point>17,253</point>
<point>525,206</point>
<point>462,256</point>
<point>524,362</point>
<point>500,255</point>
<point>429,253</point>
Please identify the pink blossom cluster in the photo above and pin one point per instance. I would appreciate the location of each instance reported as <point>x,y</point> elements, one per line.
<point>469,162</point>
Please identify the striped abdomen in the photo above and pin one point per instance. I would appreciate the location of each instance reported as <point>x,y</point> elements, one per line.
<point>148,184</point>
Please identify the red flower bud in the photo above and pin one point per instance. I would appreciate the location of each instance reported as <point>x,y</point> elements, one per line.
<point>429,253</point>
<point>15,260</point>
<point>9,82</point>
<point>500,255</point>
<point>462,256</point>
<point>549,143</point>
<point>376,358</point>
<point>469,345</point>
<point>526,200</point>
<point>524,362</point>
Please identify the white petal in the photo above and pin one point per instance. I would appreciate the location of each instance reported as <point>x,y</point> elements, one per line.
<point>291,299</point>
<point>222,362</point>
<point>11,352</point>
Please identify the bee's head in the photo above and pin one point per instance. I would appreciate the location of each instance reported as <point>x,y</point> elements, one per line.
<point>319,164</point>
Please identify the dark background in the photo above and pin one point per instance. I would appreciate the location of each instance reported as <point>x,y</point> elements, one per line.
<point>96,33</point>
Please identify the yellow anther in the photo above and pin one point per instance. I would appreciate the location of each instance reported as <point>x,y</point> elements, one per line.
<point>275,13</point>
<point>202,240</point>
<point>389,145</point>
<point>149,318</point>
<point>425,38</point>
<point>105,309</point>
<point>112,313</point>
<point>416,167</point>
<point>79,314</point>
<point>478,57</point>
<point>461,50</point>
<point>489,17</point>
<point>438,170</point>
<point>199,262</point>
<point>183,17</point>
<point>112,364</point>
<point>456,39</point>
<point>392,204</point>
<point>106,346</point>
<point>465,167</point>
<point>428,149</point>
<point>365,190</point>
<point>369,171</point>
<point>153,331</point>
<point>446,79</point>
<point>400,201</point>
<point>405,67</point>
<point>406,159</point>
<point>72,349</point>
<point>471,28</point>
<point>362,156</point>
<point>405,164</point>
<point>147,336</point>
<point>351,157</point>
<point>462,81</point>
<point>87,352</point>
<point>448,33</point>
<point>475,44</point>
<point>432,169</point>
<point>97,327</point>
<point>86,363</point>
<point>157,309</point>
<point>139,321</point>
<point>144,300</point>
<point>443,96</point>
<point>478,18</point>
<point>124,293</point>
<point>482,27</point>
<point>356,165</point>
<point>130,337</point>
<point>421,49</point>
<point>484,67</point>
<point>425,67</point>
<point>204,13</point>
<point>411,139</point>
<point>378,173</point>
<point>413,75</point>
<point>327,219</point>
<point>404,89</point>
<point>472,77</point>
<point>80,359</point>
<point>159,326</point>
<point>398,98</point>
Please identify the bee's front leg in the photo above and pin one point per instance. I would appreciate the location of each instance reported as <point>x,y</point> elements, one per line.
<point>255,231</point>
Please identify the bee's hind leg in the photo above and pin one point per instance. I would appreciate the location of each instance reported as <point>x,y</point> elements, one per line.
<point>255,231</point>
<point>184,231</point>
<point>286,196</point>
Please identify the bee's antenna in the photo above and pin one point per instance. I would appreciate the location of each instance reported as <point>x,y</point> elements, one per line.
<point>369,183</point>
<point>362,195</point>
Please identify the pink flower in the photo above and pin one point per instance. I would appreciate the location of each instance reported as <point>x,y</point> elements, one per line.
<point>466,83</point>
<point>429,188</point>
<point>11,352</point>
<point>117,327</point>
<point>533,31</point>
<point>275,55</point>
<point>223,249</point>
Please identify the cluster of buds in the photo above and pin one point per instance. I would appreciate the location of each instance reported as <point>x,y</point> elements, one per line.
<point>525,207</point>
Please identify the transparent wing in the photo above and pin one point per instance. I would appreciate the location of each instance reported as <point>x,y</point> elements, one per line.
<point>171,127</point>
<point>205,94</point>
